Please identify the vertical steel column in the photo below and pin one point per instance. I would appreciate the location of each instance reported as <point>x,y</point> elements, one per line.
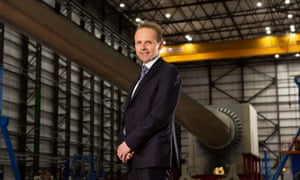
<point>68,115</point>
<point>119,113</point>
<point>275,79</point>
<point>37,110</point>
<point>100,153</point>
<point>107,129</point>
<point>63,113</point>
<point>92,114</point>
<point>32,75</point>
<point>55,114</point>
<point>81,114</point>
<point>242,83</point>
<point>111,130</point>
<point>22,140</point>
<point>87,112</point>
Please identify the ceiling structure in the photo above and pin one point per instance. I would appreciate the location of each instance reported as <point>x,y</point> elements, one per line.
<point>217,29</point>
<point>214,20</point>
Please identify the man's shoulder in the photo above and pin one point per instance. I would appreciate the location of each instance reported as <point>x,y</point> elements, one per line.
<point>168,65</point>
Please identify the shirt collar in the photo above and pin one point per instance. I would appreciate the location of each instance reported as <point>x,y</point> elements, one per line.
<point>150,63</point>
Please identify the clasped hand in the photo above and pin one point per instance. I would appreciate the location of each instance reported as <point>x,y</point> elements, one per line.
<point>124,152</point>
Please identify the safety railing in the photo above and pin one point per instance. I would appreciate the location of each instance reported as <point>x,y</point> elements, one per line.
<point>77,14</point>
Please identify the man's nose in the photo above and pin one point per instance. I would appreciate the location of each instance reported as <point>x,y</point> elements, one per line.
<point>144,45</point>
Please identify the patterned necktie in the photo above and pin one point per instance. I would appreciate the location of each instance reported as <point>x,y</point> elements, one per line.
<point>144,72</point>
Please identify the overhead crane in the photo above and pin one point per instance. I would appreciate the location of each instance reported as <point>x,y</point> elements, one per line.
<point>267,45</point>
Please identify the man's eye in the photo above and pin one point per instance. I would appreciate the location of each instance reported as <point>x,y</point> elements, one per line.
<point>146,43</point>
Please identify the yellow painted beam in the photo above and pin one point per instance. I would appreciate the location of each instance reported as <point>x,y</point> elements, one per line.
<point>267,45</point>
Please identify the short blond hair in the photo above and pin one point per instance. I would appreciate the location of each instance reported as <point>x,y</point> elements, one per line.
<point>151,25</point>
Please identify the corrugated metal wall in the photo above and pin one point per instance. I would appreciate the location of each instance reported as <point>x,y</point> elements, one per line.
<point>56,110</point>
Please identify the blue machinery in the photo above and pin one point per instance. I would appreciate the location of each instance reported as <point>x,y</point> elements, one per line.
<point>266,165</point>
<point>284,159</point>
<point>3,124</point>
<point>79,171</point>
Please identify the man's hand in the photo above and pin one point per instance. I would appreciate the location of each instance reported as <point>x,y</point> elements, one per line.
<point>124,152</point>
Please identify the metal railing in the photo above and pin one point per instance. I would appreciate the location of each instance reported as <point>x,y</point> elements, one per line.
<point>77,14</point>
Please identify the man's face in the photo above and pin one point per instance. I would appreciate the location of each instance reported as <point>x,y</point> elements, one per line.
<point>146,45</point>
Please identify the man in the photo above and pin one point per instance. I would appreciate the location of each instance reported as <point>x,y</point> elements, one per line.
<point>147,140</point>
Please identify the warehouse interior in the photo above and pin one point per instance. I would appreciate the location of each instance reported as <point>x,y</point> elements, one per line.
<point>66,66</point>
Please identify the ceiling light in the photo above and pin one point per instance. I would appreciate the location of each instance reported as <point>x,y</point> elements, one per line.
<point>168,15</point>
<point>287,1</point>
<point>276,56</point>
<point>268,30</point>
<point>290,16</point>
<point>122,5</point>
<point>292,28</point>
<point>259,4</point>
<point>188,37</point>
<point>138,19</point>
<point>297,55</point>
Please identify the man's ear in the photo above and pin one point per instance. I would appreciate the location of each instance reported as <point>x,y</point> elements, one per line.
<point>161,44</point>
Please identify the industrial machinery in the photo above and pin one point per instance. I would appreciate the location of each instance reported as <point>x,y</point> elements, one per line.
<point>238,151</point>
<point>294,153</point>
<point>82,166</point>
<point>3,124</point>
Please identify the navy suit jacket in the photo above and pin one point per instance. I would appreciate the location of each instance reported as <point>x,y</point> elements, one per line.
<point>149,117</point>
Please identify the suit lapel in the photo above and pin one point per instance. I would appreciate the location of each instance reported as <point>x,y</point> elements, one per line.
<point>129,98</point>
<point>152,71</point>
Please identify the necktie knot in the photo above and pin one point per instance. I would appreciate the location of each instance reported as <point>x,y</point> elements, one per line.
<point>144,71</point>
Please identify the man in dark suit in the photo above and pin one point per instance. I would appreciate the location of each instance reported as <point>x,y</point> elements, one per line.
<point>147,140</point>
